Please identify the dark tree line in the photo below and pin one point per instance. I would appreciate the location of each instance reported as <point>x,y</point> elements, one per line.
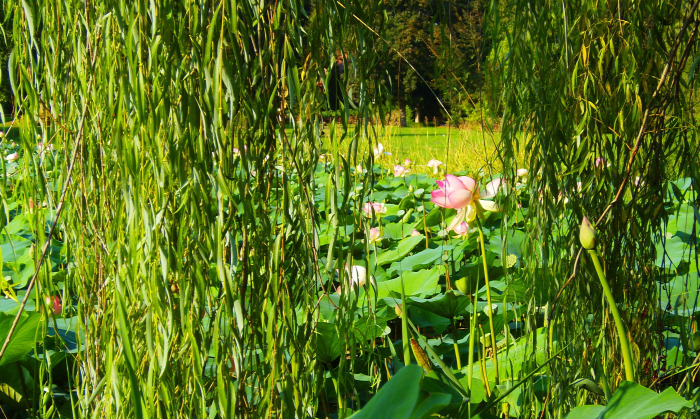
<point>6,98</point>
<point>433,60</point>
<point>444,44</point>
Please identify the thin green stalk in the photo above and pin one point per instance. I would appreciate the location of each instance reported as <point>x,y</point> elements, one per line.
<point>489,312</point>
<point>472,328</point>
<point>454,343</point>
<point>622,334</point>
<point>405,341</point>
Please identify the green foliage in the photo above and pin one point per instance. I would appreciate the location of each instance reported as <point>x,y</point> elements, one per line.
<point>440,49</point>
<point>6,44</point>
<point>192,265</point>
<point>597,96</point>
<point>632,401</point>
<point>402,397</point>
<point>208,260</point>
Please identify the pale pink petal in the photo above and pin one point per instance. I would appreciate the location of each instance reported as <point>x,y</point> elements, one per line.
<point>459,218</point>
<point>439,198</point>
<point>492,188</point>
<point>468,183</point>
<point>460,198</point>
<point>379,208</point>
<point>462,228</point>
<point>453,183</point>
<point>373,234</point>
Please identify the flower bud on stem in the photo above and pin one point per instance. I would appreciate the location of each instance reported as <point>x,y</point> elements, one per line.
<point>587,237</point>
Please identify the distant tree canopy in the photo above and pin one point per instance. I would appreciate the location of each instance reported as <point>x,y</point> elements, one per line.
<point>443,42</point>
<point>6,97</point>
<point>432,61</point>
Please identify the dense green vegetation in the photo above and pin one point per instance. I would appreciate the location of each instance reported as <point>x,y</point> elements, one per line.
<point>181,235</point>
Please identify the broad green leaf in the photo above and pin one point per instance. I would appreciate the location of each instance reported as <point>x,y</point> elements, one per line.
<point>421,283</point>
<point>684,286</point>
<point>16,380</point>
<point>14,248</point>
<point>23,338</point>
<point>399,251</point>
<point>449,305</point>
<point>398,397</point>
<point>327,342</point>
<point>434,403</point>
<point>671,252</point>
<point>421,260</point>
<point>430,219</point>
<point>516,357</point>
<point>397,231</point>
<point>633,401</point>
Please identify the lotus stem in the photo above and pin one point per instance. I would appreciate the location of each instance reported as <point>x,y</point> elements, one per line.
<point>622,334</point>
<point>489,311</point>
<point>472,328</point>
<point>459,359</point>
<point>404,328</point>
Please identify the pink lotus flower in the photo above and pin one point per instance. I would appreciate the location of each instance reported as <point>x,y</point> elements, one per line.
<point>415,232</point>
<point>41,147</point>
<point>434,164</point>
<point>379,151</point>
<point>377,207</point>
<point>356,275</point>
<point>374,235</point>
<point>54,303</point>
<point>400,171</point>
<point>462,193</point>
<point>407,162</point>
<point>462,230</point>
<point>12,157</point>
<point>521,172</point>
<point>455,192</point>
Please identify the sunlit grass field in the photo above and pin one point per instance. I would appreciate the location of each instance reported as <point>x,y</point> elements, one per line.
<point>471,149</point>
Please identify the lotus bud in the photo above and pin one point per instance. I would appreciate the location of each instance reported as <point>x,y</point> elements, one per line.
<point>587,234</point>
<point>461,285</point>
<point>54,303</point>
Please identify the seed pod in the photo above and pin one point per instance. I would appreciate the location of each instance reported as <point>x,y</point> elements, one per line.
<point>421,356</point>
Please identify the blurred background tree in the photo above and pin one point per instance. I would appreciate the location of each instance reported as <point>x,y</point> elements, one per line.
<point>6,96</point>
<point>444,44</point>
